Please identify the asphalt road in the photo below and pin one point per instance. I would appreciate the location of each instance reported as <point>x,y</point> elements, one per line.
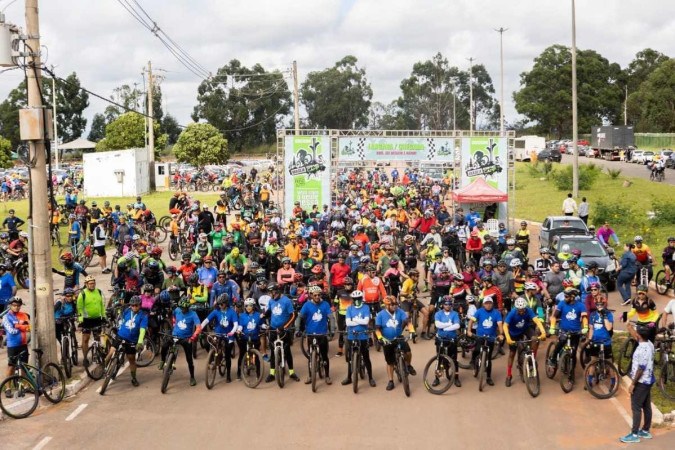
<point>627,168</point>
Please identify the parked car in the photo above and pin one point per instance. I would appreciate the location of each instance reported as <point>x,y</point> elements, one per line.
<point>647,156</point>
<point>665,154</point>
<point>591,250</point>
<point>670,162</point>
<point>637,156</point>
<point>553,223</point>
<point>549,154</point>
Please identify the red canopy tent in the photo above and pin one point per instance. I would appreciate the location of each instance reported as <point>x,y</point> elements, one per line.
<point>479,192</point>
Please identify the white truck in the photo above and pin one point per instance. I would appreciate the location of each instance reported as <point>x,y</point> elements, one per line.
<point>524,146</point>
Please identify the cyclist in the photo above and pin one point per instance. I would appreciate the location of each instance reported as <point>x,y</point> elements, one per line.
<point>357,320</point>
<point>343,300</point>
<point>74,232</point>
<point>390,323</point>
<point>601,323</point>
<point>90,312</point>
<point>523,237</point>
<point>226,322</point>
<point>281,317</point>
<point>571,313</point>
<point>543,264</point>
<point>186,327</point>
<point>64,308</point>
<point>488,328</point>
<point>132,327</point>
<point>643,254</point>
<point>372,287</point>
<point>668,256</point>
<point>447,323</point>
<point>17,328</point>
<point>645,308</point>
<point>593,296</point>
<point>589,278</point>
<point>249,322</point>
<point>314,321</point>
<point>519,326</point>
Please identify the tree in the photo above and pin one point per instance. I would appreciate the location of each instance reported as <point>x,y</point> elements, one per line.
<point>201,144</point>
<point>545,97</point>
<point>171,127</point>
<point>9,114</point>
<point>97,131</point>
<point>653,104</point>
<point>245,105</point>
<point>386,117</point>
<point>337,97</point>
<point>127,96</point>
<point>128,131</point>
<point>5,153</point>
<point>639,69</point>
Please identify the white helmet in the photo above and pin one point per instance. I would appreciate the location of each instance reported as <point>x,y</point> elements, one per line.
<point>530,285</point>
<point>249,302</point>
<point>565,248</point>
<point>357,294</point>
<point>515,262</point>
<point>520,303</point>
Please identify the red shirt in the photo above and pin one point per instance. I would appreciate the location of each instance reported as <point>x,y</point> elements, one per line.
<point>338,274</point>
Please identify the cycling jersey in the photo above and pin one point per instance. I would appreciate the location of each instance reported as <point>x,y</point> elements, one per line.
<point>315,317</point>
<point>487,323</point>
<point>225,321</point>
<point>570,315</point>
<point>185,323</point>
<point>281,310</point>
<point>17,332</point>
<point>249,324</point>
<point>601,335</point>
<point>391,325</point>
<point>130,325</point>
<point>373,289</point>
<point>357,320</point>
<point>519,323</point>
<point>447,324</point>
<point>90,304</point>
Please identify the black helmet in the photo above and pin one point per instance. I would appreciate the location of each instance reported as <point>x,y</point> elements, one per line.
<point>273,286</point>
<point>135,300</point>
<point>592,265</point>
<point>349,281</point>
<point>223,299</point>
<point>194,279</point>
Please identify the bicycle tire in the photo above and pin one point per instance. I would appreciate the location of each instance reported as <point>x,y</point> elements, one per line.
<point>482,376</point>
<point>356,370</point>
<point>601,367</point>
<point>52,382</point>
<point>113,269</point>
<point>626,356</point>
<point>280,373</point>
<point>111,367</point>
<point>314,368</point>
<point>551,370</point>
<point>164,222</point>
<point>20,388</point>
<point>567,372</point>
<point>73,342</point>
<point>210,378</point>
<point>96,369</point>
<point>220,363</point>
<point>253,361</point>
<point>464,351</point>
<point>362,368</point>
<point>303,346</point>
<point>532,382</point>
<point>667,379</point>
<point>149,353</point>
<point>584,354</point>
<point>439,363</point>
<point>168,370</point>
<point>22,277</point>
<point>403,369</point>
<point>66,361</point>
<point>660,282</point>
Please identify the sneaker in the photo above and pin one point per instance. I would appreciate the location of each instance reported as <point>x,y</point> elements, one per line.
<point>228,379</point>
<point>390,385</point>
<point>490,382</point>
<point>106,270</point>
<point>436,382</point>
<point>346,381</point>
<point>457,382</point>
<point>269,378</point>
<point>412,371</point>
<point>294,376</point>
<point>329,381</point>
<point>372,382</point>
<point>627,302</point>
<point>630,438</point>
<point>134,381</point>
<point>508,381</point>
<point>308,380</point>
<point>644,434</point>
<point>193,382</point>
<point>161,365</point>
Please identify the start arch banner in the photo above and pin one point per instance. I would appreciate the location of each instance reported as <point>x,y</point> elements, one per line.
<point>384,148</point>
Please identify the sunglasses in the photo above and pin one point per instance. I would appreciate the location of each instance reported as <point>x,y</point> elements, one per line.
<point>595,289</point>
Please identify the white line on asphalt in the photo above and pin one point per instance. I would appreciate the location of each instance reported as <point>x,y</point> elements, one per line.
<point>619,407</point>
<point>42,443</point>
<point>77,411</point>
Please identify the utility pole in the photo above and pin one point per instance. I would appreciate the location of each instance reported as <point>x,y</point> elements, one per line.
<point>296,110</point>
<point>471,94</point>
<point>55,147</point>
<point>575,131</point>
<point>501,94</point>
<point>151,128</point>
<point>43,321</point>
<point>625,108</point>
<point>454,108</point>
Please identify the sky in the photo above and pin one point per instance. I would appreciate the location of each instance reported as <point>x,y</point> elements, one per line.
<point>107,47</point>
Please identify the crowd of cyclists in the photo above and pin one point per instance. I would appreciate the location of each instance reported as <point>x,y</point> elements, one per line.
<point>388,258</point>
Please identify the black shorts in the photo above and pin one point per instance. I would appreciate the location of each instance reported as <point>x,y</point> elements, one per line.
<point>390,352</point>
<point>88,324</point>
<point>16,354</point>
<point>594,350</point>
<point>406,305</point>
<point>100,251</point>
<point>526,336</point>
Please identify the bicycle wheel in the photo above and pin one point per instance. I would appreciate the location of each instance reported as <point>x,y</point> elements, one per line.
<point>482,376</point>
<point>667,379</point>
<point>173,251</point>
<point>403,370</point>
<point>532,377</point>
<point>280,373</point>
<point>356,370</point>
<point>551,369</point>
<point>313,368</point>
<point>19,397</point>
<point>53,382</point>
<point>602,379</point>
<point>567,373</point>
<point>110,371</point>
<point>253,368</point>
<point>147,356</point>
<point>210,369</point>
<point>66,361</point>
<point>464,350</point>
<point>521,360</point>
<point>626,356</point>
<point>96,368</point>
<point>661,283</point>
<point>439,374</point>
<point>584,353</point>
<point>168,370</point>
<point>160,235</point>
<point>220,362</point>
<point>73,349</point>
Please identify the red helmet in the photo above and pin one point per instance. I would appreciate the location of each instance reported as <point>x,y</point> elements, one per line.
<point>314,234</point>
<point>236,226</point>
<point>67,256</point>
<point>567,283</point>
<point>147,212</point>
<point>157,251</point>
<point>317,269</point>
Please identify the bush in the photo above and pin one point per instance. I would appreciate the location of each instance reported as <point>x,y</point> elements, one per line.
<point>588,174</point>
<point>533,169</point>
<point>613,173</point>
<point>664,211</point>
<point>615,213</point>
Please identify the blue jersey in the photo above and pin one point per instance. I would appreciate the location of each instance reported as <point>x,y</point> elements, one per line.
<point>207,275</point>
<point>76,229</point>
<point>186,323</point>
<point>486,323</point>
<point>359,318</point>
<point>315,317</point>
<point>281,311</point>
<point>519,323</point>
<point>64,309</point>
<point>7,285</point>
<point>249,324</point>
<point>391,325</point>
<point>601,334</point>
<point>446,318</point>
<point>215,291</point>
<point>570,315</point>
<point>130,325</point>
<point>224,320</point>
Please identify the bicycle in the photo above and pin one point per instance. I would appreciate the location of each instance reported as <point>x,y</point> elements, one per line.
<point>480,364</point>
<point>96,354</point>
<point>626,356</point>
<point>401,367</point>
<point>563,360</point>
<point>115,362</point>
<point>21,391</point>
<point>279,357</point>
<point>316,365</point>
<point>358,363</point>
<point>598,373</point>
<point>170,364</point>
<point>146,355</point>
<point>252,365</point>
<point>442,367</point>
<point>662,283</point>
<point>216,358</point>
<point>55,236</point>
<point>666,339</point>
<point>528,368</point>
<point>69,356</point>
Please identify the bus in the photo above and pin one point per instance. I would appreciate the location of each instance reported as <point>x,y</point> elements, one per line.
<point>525,145</point>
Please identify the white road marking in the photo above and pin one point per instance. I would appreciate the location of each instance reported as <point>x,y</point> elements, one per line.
<point>43,443</point>
<point>75,413</point>
<point>619,407</point>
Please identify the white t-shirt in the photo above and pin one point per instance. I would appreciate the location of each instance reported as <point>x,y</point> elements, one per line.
<point>670,307</point>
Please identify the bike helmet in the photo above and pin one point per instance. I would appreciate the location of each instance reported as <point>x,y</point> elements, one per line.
<point>66,257</point>
<point>356,294</point>
<point>544,251</point>
<point>285,260</point>
<point>592,265</point>
<point>223,299</point>
<point>638,238</point>
<point>171,269</point>
<point>457,277</point>
<point>567,283</point>
<point>594,285</point>
<point>447,300</point>
<point>353,247</point>
<point>135,300</point>
<point>156,251</point>
<point>565,248</point>
<point>487,249</point>
<point>571,291</point>
<point>253,266</point>
<point>485,277</point>
<point>523,223</point>
<point>147,287</point>
<point>249,302</point>
<point>304,251</point>
<point>444,269</point>
<point>642,288</point>
<point>488,262</point>
<point>317,269</point>
<point>89,278</point>
<point>520,303</point>
<point>68,291</point>
<point>153,265</point>
<point>565,265</point>
<point>4,235</point>
<point>23,234</point>
<point>501,263</point>
<point>510,242</point>
<point>364,259</point>
<point>671,239</point>
<point>194,279</point>
<point>470,299</point>
<point>529,285</point>
<point>573,260</point>
<point>273,286</point>
<point>164,296</point>
<point>576,252</point>
<point>371,268</point>
<point>315,290</point>
<point>393,262</point>
<point>184,303</point>
<point>515,262</point>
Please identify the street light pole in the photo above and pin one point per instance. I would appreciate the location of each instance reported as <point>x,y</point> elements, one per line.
<point>501,65</point>
<point>575,131</point>
<point>471,95</point>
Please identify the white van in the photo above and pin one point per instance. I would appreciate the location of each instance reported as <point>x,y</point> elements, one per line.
<point>525,145</point>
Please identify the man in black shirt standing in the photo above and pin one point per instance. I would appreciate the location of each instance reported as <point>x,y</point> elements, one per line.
<point>12,225</point>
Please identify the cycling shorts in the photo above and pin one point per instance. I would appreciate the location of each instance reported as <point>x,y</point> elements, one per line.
<point>390,352</point>
<point>14,354</point>
<point>89,323</point>
<point>594,350</point>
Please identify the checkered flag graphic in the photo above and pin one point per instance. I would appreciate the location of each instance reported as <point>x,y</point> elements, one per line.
<point>360,148</point>
<point>432,148</point>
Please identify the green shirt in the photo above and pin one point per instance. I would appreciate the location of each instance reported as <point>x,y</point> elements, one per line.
<point>90,304</point>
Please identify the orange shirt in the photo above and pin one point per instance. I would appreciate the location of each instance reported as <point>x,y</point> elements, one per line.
<point>373,289</point>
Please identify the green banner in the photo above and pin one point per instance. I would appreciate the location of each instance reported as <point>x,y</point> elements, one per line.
<point>307,174</point>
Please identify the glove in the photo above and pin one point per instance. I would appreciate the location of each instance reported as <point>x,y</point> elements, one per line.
<point>542,337</point>
<point>385,341</point>
<point>510,341</point>
<point>551,331</point>
<point>584,330</point>
<point>264,326</point>
<point>139,347</point>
